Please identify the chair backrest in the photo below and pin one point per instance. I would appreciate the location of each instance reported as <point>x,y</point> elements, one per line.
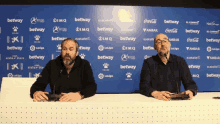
<point>16,89</point>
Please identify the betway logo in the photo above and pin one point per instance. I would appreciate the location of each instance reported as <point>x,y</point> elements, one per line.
<point>153,21</point>
<point>192,31</point>
<point>148,48</point>
<point>213,32</point>
<point>128,38</point>
<point>192,39</point>
<point>174,30</point>
<point>82,19</point>
<point>128,67</point>
<point>174,39</point>
<point>14,48</point>
<point>193,57</point>
<point>37,29</point>
<point>171,22</point>
<point>84,48</point>
<point>128,48</point>
<point>105,29</point>
<point>36,57</point>
<point>212,40</point>
<point>213,57</point>
<point>105,57</point>
<point>192,22</point>
<point>149,30</point>
<point>192,48</point>
<point>15,20</point>
<point>212,75</point>
<point>58,38</point>
<point>194,66</point>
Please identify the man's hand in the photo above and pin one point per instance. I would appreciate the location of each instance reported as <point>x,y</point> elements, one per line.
<point>70,97</point>
<point>39,96</point>
<point>190,93</point>
<point>162,95</point>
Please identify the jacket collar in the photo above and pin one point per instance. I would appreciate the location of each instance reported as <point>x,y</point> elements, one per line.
<point>159,60</point>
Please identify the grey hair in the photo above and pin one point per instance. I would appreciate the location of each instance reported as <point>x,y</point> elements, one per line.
<point>77,44</point>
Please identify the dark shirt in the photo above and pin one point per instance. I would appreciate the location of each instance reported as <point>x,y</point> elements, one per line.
<point>155,75</point>
<point>80,78</point>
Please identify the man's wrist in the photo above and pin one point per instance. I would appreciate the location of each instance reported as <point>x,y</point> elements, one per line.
<point>154,92</point>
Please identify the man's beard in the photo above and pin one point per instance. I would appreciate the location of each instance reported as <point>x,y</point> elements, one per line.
<point>67,61</point>
<point>163,53</point>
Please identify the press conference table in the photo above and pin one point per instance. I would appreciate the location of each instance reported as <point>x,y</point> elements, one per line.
<point>114,109</point>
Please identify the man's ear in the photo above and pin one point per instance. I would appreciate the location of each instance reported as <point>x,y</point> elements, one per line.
<point>77,53</point>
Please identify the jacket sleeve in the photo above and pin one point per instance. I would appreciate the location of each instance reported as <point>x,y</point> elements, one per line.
<point>186,77</point>
<point>145,79</point>
<point>89,86</point>
<point>42,81</point>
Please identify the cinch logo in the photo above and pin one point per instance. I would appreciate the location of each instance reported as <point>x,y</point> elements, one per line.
<point>193,57</point>
<point>209,49</point>
<point>15,39</point>
<point>101,48</point>
<point>36,66</point>
<point>171,22</point>
<point>192,22</point>
<point>36,75</point>
<point>105,65</point>
<point>148,39</point>
<point>105,38</point>
<point>128,74</point>
<point>82,55</point>
<point>174,48</point>
<point>15,20</point>
<point>16,66</point>
<point>128,48</point>
<point>34,20</point>
<point>212,23</point>
<point>36,57</point>
<point>214,66</point>
<point>213,32</point>
<point>128,67</point>
<point>105,57</point>
<point>84,48</point>
<point>11,75</point>
<point>146,57</point>
<point>14,48</point>
<point>105,29</point>
<point>37,29</point>
<point>37,39</point>
<point>57,29</point>
<point>101,76</point>
<point>125,57</point>
<point>192,31</point>
<point>33,48</point>
<point>82,29</point>
<point>174,30</point>
<point>212,40</point>
<point>194,66</point>
<point>14,57</point>
<point>148,48</point>
<point>152,21</point>
<point>59,20</point>
<point>174,39</point>
<point>195,75</point>
<point>192,48</point>
<point>15,30</point>
<point>213,57</point>
<point>149,30</point>
<point>128,38</point>
<point>212,75</point>
<point>192,39</point>
<point>84,38</point>
<point>82,19</point>
<point>58,38</point>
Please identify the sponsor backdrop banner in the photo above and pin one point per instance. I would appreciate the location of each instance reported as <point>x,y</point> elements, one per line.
<point>114,39</point>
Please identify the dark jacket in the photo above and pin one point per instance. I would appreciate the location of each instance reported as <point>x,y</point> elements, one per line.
<point>55,73</point>
<point>152,77</point>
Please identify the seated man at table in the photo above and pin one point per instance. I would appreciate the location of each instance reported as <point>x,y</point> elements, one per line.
<point>68,75</point>
<point>161,74</point>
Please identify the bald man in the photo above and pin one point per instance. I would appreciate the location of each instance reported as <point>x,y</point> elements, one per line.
<point>162,74</point>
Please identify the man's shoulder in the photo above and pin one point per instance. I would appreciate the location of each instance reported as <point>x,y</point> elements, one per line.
<point>151,59</point>
<point>177,58</point>
<point>82,61</point>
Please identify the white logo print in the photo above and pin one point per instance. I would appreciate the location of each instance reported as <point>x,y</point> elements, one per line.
<point>171,22</point>
<point>212,40</point>
<point>15,66</point>
<point>212,23</point>
<point>128,38</point>
<point>174,30</point>
<point>128,48</point>
<point>195,75</point>
<point>174,48</point>
<point>15,39</point>
<point>192,48</point>
<point>84,38</point>
<point>58,38</point>
<point>148,39</point>
<point>105,38</point>
<point>194,66</point>
<point>14,57</point>
<point>192,39</point>
<point>125,57</point>
<point>36,29</point>
<point>14,48</point>
<point>214,66</point>
<point>57,29</point>
<point>105,29</point>
<point>148,48</point>
<point>209,49</point>
<point>213,32</point>
<point>36,66</point>
<point>15,20</point>
<point>34,20</point>
<point>128,74</point>
<point>101,76</point>
<point>82,29</point>
<point>84,48</point>
<point>149,30</point>
<point>37,37</point>
<point>128,67</point>
<point>15,30</point>
<point>152,21</point>
<point>82,19</point>
<point>36,57</point>
<point>213,57</point>
<point>105,57</point>
<point>174,39</point>
<point>192,22</point>
<point>82,55</point>
<point>192,31</point>
<point>101,48</point>
<point>193,57</point>
<point>146,57</point>
<point>11,75</point>
<point>33,48</point>
<point>105,65</point>
<point>59,20</point>
<point>212,75</point>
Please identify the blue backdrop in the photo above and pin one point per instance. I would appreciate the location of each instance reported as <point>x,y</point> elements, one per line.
<point>114,39</point>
